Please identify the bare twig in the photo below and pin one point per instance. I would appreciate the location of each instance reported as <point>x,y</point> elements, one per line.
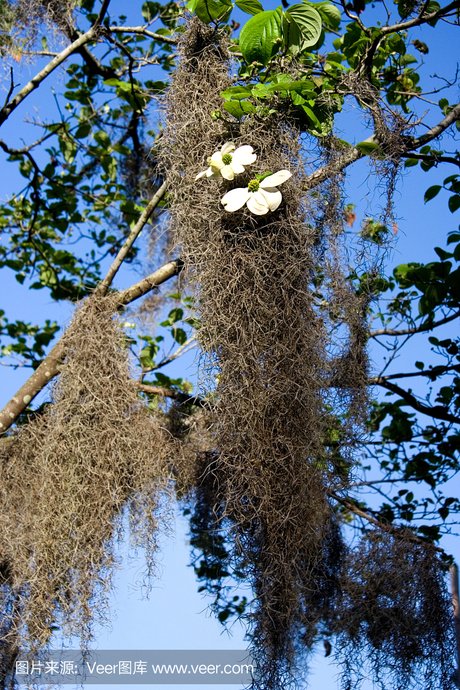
<point>185,347</point>
<point>429,326</point>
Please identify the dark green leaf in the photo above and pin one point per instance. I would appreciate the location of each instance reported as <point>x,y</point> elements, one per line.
<point>431,192</point>
<point>302,27</point>
<point>211,10</point>
<point>249,6</point>
<point>454,203</point>
<point>261,36</point>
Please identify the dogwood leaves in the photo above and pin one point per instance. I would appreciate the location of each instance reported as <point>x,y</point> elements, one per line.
<point>296,29</point>
<point>260,37</point>
<point>211,10</point>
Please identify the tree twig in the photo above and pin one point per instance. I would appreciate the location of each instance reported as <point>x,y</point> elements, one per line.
<point>402,532</point>
<point>434,371</point>
<point>428,326</point>
<point>435,411</point>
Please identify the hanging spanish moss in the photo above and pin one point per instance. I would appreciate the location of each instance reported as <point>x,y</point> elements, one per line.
<point>66,480</point>
<point>283,329</point>
<point>394,622</point>
<point>264,336</point>
<point>22,20</point>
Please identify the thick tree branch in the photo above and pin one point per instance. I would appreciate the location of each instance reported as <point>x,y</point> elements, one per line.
<point>322,174</point>
<point>35,82</point>
<point>435,411</point>
<point>429,326</point>
<point>49,368</point>
<point>149,283</point>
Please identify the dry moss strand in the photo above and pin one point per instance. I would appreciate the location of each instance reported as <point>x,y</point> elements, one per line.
<point>68,476</point>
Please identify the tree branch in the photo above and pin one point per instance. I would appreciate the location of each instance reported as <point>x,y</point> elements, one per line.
<point>421,19</point>
<point>435,411</point>
<point>432,158</point>
<point>449,119</point>
<point>429,326</point>
<point>149,283</point>
<point>403,533</point>
<point>121,256</point>
<point>434,371</point>
<point>35,82</point>
<point>143,32</point>
<point>173,394</point>
<point>49,368</point>
<point>353,154</point>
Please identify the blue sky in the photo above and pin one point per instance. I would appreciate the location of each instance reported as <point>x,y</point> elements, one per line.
<point>175,615</point>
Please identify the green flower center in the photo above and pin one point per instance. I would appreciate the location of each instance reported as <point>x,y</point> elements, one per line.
<point>254,185</point>
<point>226,159</point>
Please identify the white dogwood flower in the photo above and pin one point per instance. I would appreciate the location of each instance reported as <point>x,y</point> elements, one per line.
<point>229,161</point>
<point>259,196</point>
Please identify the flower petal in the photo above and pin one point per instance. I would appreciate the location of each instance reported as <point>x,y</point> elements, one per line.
<point>276,179</point>
<point>235,199</point>
<point>228,147</point>
<point>216,161</point>
<point>272,197</point>
<point>237,167</point>
<point>204,173</point>
<point>244,155</point>
<point>227,172</point>
<point>257,204</point>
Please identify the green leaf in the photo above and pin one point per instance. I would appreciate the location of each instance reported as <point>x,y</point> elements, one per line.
<point>236,93</point>
<point>179,335</point>
<point>260,36</point>
<point>302,27</point>
<point>239,108</point>
<point>443,255</point>
<point>330,14</point>
<point>431,192</point>
<point>210,10</point>
<point>249,6</point>
<point>454,203</point>
<point>367,147</point>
